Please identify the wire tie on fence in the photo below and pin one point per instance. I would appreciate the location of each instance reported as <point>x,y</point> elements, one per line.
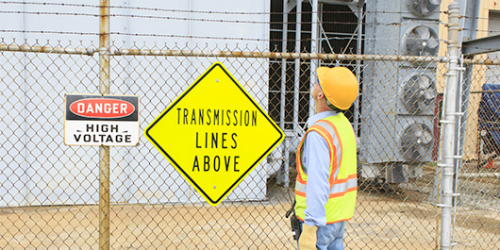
<point>91,51</point>
<point>444,165</point>
<point>443,205</point>
<point>457,113</point>
<point>457,156</point>
<point>449,174</point>
<point>103,50</point>
<point>455,194</point>
<point>446,122</point>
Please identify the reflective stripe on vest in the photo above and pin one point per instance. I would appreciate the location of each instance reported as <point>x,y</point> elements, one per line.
<point>341,141</point>
<point>340,187</point>
<point>326,132</point>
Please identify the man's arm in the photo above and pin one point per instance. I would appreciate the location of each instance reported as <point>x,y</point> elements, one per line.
<point>317,162</point>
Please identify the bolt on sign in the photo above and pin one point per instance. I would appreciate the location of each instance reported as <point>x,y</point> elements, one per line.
<point>101,120</point>
<point>214,134</point>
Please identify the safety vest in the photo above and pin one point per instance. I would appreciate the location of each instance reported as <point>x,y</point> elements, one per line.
<point>339,135</point>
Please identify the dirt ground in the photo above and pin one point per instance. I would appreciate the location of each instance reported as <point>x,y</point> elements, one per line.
<point>236,226</point>
<point>383,220</point>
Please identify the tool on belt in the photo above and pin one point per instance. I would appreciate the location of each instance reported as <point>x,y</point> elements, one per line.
<point>294,221</point>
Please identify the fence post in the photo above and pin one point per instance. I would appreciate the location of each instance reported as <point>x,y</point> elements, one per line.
<point>314,50</point>
<point>448,121</point>
<point>104,73</point>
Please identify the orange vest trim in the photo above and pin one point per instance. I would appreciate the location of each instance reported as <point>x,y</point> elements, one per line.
<point>344,180</point>
<point>343,193</point>
<point>328,223</point>
<point>300,193</point>
<point>333,155</point>
<point>335,149</point>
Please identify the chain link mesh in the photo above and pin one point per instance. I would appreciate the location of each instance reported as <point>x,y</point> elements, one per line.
<point>477,180</point>
<point>49,192</point>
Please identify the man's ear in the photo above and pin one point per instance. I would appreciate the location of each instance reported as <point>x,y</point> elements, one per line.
<point>321,95</point>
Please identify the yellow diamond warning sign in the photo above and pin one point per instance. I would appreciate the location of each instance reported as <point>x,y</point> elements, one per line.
<point>214,134</point>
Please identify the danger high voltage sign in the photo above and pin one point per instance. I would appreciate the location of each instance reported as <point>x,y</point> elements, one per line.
<point>101,120</point>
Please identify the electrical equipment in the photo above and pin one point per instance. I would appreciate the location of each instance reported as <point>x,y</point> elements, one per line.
<point>399,97</point>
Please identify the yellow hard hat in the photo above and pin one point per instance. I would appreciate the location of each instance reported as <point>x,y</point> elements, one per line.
<point>339,85</point>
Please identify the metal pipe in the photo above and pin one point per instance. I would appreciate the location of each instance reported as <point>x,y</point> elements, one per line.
<point>479,61</point>
<point>237,54</point>
<point>314,50</point>
<point>448,143</point>
<point>298,33</point>
<point>284,38</point>
<point>284,170</point>
<point>460,126</point>
<point>25,114</point>
<point>278,55</point>
<point>463,95</point>
<point>358,62</point>
<point>46,49</point>
<point>485,175</point>
<point>104,74</point>
<point>296,89</point>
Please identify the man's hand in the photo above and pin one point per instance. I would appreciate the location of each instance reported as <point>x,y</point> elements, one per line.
<point>307,240</point>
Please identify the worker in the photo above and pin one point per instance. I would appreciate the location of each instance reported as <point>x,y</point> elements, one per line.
<point>326,185</point>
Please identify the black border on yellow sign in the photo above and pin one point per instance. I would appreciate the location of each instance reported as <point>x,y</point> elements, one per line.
<point>213,202</point>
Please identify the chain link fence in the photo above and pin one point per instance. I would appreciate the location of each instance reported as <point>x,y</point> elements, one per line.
<point>477,181</point>
<point>49,192</point>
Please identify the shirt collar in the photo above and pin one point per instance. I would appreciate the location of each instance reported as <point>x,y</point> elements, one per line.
<point>313,119</point>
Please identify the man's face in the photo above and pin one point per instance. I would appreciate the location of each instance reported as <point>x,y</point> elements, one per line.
<point>316,91</point>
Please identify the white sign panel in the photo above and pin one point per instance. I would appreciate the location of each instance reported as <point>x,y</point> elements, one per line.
<point>101,120</point>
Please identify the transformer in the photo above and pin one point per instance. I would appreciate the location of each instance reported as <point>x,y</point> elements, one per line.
<point>399,97</point>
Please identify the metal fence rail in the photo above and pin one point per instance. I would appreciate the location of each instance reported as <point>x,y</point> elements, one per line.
<point>49,192</point>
